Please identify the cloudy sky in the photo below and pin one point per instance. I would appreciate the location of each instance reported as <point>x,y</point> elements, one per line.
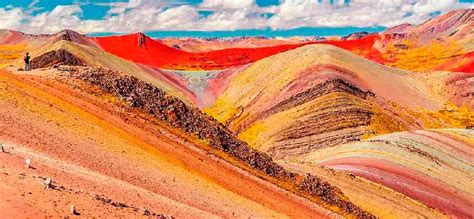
<point>124,16</point>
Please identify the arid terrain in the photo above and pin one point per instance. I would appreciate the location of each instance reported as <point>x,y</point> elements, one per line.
<point>368,125</point>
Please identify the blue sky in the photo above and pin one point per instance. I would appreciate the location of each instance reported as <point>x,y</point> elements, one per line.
<point>208,18</point>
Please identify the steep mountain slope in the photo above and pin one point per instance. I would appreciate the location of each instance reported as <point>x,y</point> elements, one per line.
<point>14,44</point>
<point>11,37</point>
<point>319,95</point>
<point>142,49</point>
<point>376,198</point>
<point>302,105</point>
<point>372,136</point>
<point>442,43</point>
<point>456,24</point>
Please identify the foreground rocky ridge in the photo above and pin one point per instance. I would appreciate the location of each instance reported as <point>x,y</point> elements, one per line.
<point>152,100</point>
<point>122,153</point>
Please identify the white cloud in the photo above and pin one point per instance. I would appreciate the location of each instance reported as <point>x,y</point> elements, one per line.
<point>361,13</point>
<point>121,7</point>
<point>228,4</point>
<point>147,15</point>
<point>10,19</point>
<point>432,6</point>
<point>174,17</point>
<point>61,17</point>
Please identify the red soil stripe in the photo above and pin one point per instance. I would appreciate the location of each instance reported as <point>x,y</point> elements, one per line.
<point>409,182</point>
<point>157,54</point>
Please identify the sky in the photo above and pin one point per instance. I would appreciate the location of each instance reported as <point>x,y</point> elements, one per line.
<point>208,18</point>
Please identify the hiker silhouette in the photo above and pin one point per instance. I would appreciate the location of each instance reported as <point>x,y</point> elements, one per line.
<point>27,61</point>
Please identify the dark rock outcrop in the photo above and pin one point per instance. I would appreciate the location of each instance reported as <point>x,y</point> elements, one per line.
<point>55,58</point>
<point>317,187</point>
<point>355,36</point>
<point>151,99</point>
<point>327,87</point>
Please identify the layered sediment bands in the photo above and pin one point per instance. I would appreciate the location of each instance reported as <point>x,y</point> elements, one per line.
<point>335,119</point>
<point>432,166</point>
<point>171,58</point>
<point>92,56</point>
<point>55,58</point>
<point>330,129</point>
<point>320,188</point>
<point>454,24</point>
<point>319,96</point>
<point>327,87</point>
<point>375,198</point>
<point>176,113</point>
<point>442,43</point>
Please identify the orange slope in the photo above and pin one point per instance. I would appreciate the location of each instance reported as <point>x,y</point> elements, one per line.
<point>49,120</point>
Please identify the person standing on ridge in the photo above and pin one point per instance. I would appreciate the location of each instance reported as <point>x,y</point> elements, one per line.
<point>27,61</point>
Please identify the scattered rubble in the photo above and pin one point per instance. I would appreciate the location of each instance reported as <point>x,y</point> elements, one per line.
<point>28,163</point>
<point>109,201</point>
<point>330,194</point>
<point>73,210</point>
<point>144,211</point>
<point>47,183</point>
